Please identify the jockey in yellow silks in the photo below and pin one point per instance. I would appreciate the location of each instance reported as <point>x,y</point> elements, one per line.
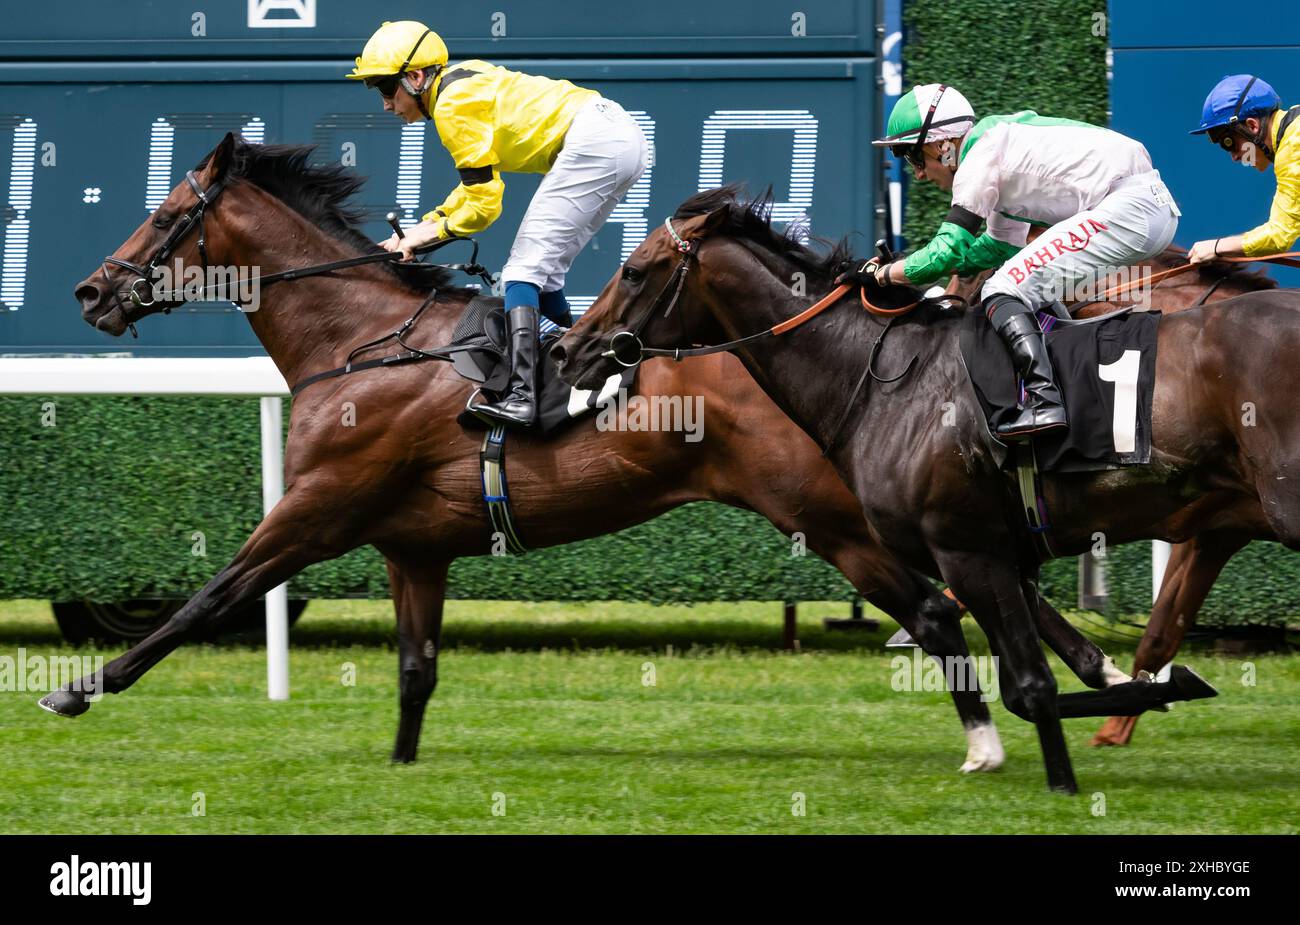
<point>493,121</point>
<point>1244,116</point>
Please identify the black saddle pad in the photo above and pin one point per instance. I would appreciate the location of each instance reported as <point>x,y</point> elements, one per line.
<point>1106,370</point>
<point>482,326</point>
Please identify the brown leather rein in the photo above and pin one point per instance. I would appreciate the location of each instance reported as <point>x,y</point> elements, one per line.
<point>1288,259</point>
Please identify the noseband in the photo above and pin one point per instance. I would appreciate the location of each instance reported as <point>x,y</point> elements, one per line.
<point>192,218</point>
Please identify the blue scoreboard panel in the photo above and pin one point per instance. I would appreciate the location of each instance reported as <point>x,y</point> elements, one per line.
<point>98,124</point>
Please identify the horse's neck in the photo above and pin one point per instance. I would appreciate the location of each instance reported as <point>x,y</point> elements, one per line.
<point>310,325</point>
<point>809,373</point>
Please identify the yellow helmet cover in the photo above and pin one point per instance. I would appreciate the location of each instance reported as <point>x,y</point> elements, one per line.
<point>396,47</point>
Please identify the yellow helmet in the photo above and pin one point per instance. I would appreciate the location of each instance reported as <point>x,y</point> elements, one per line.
<point>396,47</point>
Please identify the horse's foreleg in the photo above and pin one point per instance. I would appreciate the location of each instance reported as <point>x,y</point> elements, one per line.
<point>1193,568</point>
<point>992,590</point>
<point>1080,654</point>
<point>418,596</point>
<point>294,535</point>
<point>934,621</point>
<point>931,618</point>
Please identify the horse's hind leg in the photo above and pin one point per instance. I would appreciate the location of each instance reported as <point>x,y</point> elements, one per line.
<point>296,534</point>
<point>1193,568</point>
<point>992,590</point>
<point>1084,658</point>
<point>418,596</point>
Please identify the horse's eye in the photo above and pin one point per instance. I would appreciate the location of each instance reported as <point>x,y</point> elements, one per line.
<point>162,221</point>
<point>632,274</point>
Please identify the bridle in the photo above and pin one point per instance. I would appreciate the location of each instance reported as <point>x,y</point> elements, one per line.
<point>627,349</point>
<point>193,218</point>
<point>677,281</point>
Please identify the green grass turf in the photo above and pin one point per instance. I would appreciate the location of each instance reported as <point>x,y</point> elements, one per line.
<point>535,703</point>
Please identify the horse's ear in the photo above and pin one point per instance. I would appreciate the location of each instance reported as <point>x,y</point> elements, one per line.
<point>715,220</point>
<point>700,226</point>
<point>220,159</point>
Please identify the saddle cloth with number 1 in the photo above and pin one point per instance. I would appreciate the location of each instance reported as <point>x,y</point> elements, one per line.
<point>1106,369</point>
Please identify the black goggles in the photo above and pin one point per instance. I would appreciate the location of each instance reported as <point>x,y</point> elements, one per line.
<point>913,154</point>
<point>1225,137</point>
<point>387,86</point>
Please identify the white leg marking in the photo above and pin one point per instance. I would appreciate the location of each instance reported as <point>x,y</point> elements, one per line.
<point>984,749</point>
<point>1112,674</point>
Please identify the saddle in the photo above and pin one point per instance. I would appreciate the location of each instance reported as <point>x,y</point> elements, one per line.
<point>478,352</point>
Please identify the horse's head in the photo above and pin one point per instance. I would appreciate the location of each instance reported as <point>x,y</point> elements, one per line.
<point>127,286</point>
<point>651,301</point>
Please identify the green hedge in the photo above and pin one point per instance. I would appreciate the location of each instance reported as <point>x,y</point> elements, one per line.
<point>104,505</point>
<point>1004,57</point>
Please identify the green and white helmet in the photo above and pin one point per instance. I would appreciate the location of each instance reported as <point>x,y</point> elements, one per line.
<point>930,112</point>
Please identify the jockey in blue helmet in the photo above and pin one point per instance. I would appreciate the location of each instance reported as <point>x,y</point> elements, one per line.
<point>1244,116</point>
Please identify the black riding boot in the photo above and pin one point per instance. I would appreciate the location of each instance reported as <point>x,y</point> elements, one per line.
<point>1044,408</point>
<point>519,405</point>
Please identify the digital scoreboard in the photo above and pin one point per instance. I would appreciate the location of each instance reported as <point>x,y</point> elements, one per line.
<point>92,140</point>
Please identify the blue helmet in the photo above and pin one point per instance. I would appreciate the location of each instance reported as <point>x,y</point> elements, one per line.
<point>1233,99</point>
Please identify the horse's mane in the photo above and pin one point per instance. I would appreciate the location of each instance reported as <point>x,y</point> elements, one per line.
<point>322,194</point>
<point>752,222</point>
<point>1237,273</point>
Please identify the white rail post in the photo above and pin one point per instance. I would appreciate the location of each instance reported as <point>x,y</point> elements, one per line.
<point>182,376</point>
<point>1159,562</point>
<point>277,603</point>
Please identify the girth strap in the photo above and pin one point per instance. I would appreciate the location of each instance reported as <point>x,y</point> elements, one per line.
<point>496,494</point>
<point>1032,502</point>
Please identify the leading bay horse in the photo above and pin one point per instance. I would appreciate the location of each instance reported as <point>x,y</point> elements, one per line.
<point>913,449</point>
<point>378,458</point>
<point>1193,565</point>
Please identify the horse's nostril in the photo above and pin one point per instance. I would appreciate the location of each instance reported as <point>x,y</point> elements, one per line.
<point>558,353</point>
<point>87,295</point>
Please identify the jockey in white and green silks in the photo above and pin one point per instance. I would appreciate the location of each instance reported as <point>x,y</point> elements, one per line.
<point>1094,191</point>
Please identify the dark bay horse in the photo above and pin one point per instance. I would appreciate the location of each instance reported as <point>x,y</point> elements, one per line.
<point>1194,565</point>
<point>404,476</point>
<point>914,451</point>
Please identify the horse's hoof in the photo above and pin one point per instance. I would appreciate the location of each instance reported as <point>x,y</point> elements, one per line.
<point>1189,684</point>
<point>64,703</point>
<point>984,749</point>
<point>1116,732</point>
<point>901,640</point>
